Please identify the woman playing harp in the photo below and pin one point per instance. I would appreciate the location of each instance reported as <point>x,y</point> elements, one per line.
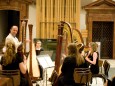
<point>32,64</point>
<point>66,35</point>
<point>72,61</point>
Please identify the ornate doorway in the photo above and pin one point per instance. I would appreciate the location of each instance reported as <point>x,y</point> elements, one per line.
<point>100,21</point>
<point>103,32</point>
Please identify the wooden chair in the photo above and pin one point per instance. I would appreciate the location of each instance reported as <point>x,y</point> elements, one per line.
<point>104,75</point>
<point>14,75</point>
<point>82,76</point>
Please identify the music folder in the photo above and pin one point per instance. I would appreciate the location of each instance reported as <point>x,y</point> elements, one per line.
<point>45,61</point>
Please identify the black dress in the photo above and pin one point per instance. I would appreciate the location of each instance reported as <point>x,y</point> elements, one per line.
<point>66,78</point>
<point>94,68</point>
<point>23,79</point>
<point>38,51</point>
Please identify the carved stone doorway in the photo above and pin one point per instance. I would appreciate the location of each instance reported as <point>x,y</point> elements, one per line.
<point>103,32</point>
<point>100,23</point>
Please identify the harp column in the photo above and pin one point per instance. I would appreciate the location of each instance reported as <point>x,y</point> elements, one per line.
<point>23,32</point>
<point>30,36</point>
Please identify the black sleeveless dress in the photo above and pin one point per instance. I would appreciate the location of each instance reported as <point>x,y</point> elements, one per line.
<point>94,68</point>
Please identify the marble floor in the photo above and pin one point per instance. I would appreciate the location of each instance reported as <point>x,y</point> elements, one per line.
<point>96,81</point>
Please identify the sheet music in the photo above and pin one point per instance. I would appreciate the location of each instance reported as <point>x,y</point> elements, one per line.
<point>45,61</point>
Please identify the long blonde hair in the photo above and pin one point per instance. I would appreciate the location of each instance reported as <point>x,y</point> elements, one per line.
<point>94,46</point>
<point>9,55</point>
<point>73,50</point>
<point>79,58</point>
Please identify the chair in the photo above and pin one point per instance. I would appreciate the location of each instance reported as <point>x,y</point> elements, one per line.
<point>106,66</point>
<point>82,76</point>
<point>100,63</point>
<point>54,77</point>
<point>104,75</point>
<point>14,75</point>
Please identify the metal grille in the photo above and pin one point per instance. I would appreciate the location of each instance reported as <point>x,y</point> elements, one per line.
<point>103,32</point>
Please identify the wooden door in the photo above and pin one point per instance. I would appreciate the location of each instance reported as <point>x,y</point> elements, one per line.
<point>103,32</point>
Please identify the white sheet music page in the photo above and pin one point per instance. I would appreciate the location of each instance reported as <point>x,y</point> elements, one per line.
<point>45,61</point>
<point>42,61</point>
<point>49,61</point>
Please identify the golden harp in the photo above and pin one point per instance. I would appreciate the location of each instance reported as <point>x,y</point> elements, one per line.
<point>66,35</point>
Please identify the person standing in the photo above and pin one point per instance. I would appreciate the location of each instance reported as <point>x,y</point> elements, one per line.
<point>12,37</point>
<point>93,57</point>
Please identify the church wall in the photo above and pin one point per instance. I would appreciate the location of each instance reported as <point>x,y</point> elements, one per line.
<point>83,13</point>
<point>31,20</point>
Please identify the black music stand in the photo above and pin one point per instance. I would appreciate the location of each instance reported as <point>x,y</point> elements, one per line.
<point>46,62</point>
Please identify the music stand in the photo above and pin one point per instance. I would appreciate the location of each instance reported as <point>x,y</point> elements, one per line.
<point>46,62</point>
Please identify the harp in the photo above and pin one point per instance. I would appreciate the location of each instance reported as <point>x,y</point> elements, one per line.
<point>32,63</point>
<point>66,35</point>
<point>23,39</point>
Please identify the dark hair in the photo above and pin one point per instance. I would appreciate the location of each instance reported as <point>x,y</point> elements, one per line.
<point>72,49</point>
<point>20,48</point>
